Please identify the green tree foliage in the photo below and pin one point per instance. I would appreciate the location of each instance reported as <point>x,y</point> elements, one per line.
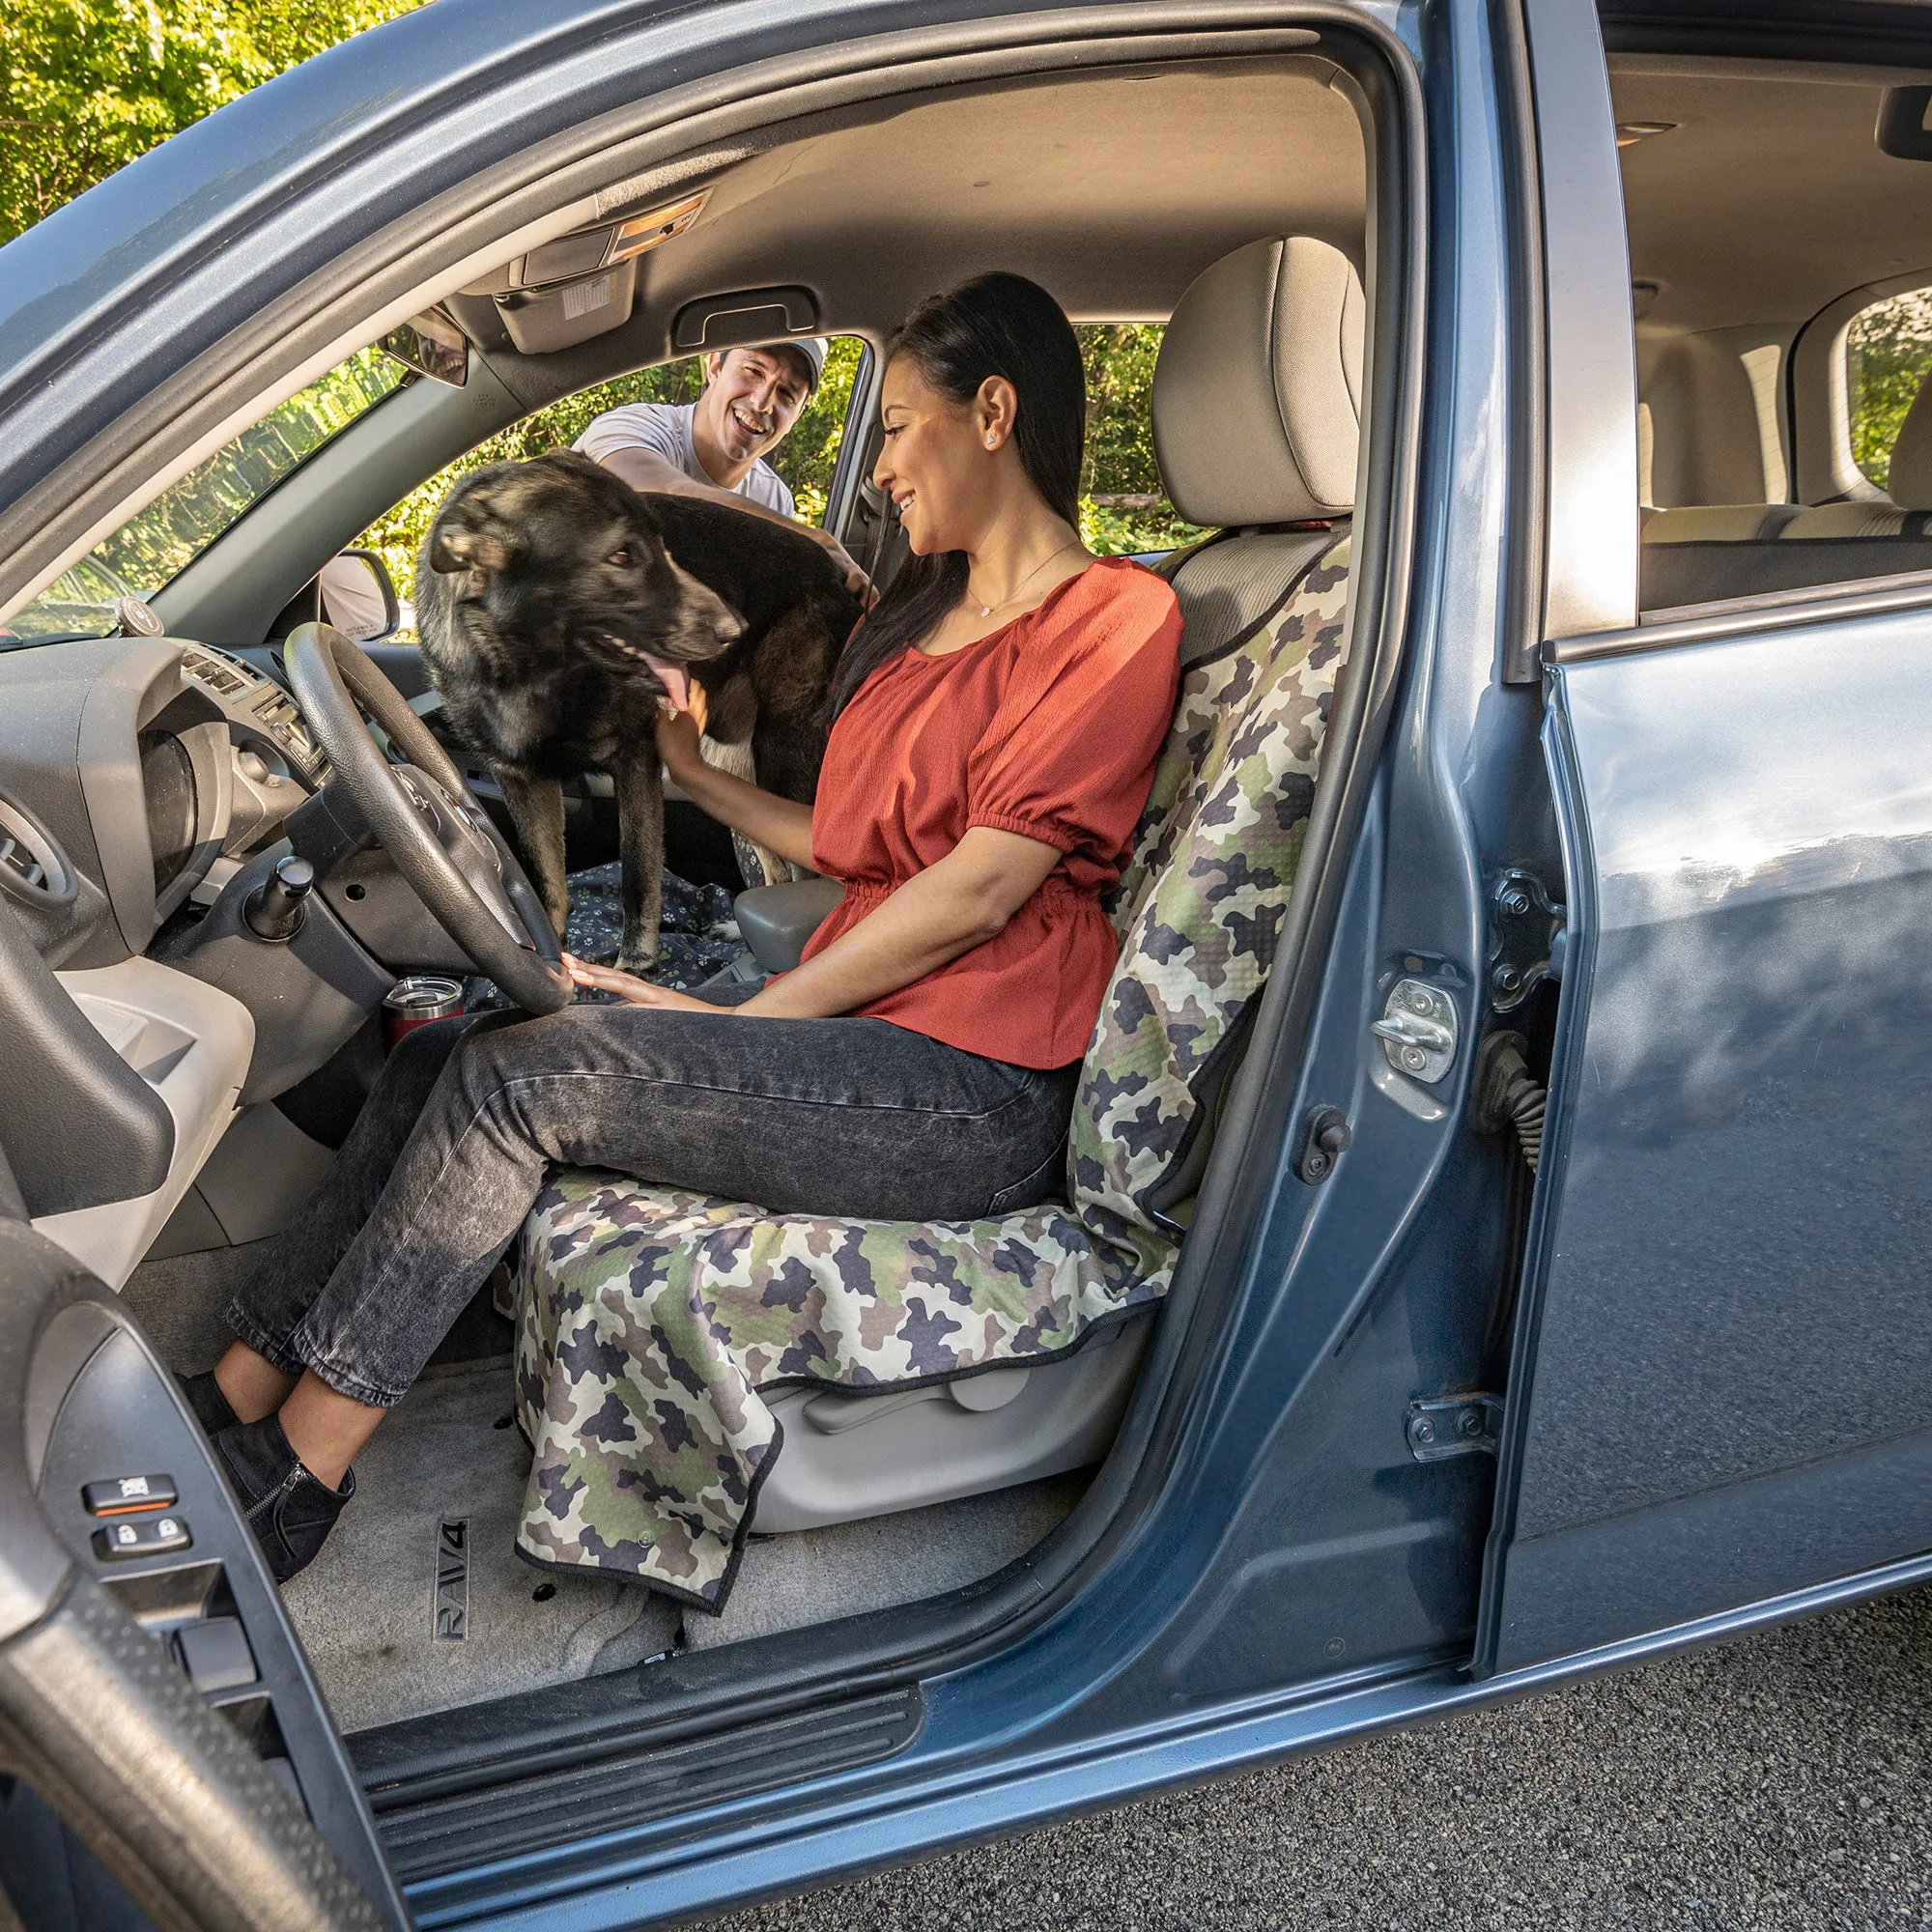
<point>189,515</point>
<point>1887,352</point>
<point>1122,506</point>
<point>87,85</point>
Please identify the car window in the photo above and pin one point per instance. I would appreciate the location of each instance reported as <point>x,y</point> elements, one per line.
<point>1888,351</point>
<point>1776,450</point>
<point>150,548</point>
<point>1123,509</point>
<point>805,459</point>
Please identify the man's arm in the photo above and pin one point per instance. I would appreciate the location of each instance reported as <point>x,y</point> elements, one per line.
<point>646,469</point>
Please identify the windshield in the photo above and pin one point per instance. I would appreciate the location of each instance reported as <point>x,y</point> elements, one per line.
<point>146,554</point>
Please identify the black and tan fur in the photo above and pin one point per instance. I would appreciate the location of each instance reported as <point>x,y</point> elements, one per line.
<point>540,587</point>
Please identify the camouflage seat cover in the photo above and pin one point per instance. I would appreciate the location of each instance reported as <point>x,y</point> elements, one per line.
<point>652,1319</point>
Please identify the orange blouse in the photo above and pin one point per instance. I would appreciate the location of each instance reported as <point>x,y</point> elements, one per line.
<point>1049,728</point>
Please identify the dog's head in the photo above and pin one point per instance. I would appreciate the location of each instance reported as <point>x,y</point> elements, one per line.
<point>556,558</point>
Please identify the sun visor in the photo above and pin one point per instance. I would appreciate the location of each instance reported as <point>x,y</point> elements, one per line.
<point>541,321</point>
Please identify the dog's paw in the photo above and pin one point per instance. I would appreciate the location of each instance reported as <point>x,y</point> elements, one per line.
<point>635,961</point>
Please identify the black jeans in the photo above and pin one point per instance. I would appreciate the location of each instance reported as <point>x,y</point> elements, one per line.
<point>831,1117</point>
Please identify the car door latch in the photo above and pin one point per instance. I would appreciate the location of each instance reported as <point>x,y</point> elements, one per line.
<point>1441,1426</point>
<point>1417,1030</point>
<point>1526,938</point>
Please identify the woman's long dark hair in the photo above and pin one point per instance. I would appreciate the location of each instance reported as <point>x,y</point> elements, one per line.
<point>996,325</point>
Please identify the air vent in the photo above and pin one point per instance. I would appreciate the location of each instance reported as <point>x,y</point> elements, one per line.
<point>32,869</point>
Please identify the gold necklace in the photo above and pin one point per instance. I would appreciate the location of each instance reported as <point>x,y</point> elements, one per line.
<point>987,610</point>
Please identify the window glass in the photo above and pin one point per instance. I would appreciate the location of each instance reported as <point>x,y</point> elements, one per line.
<point>1123,510</point>
<point>804,461</point>
<point>1888,351</point>
<point>149,551</point>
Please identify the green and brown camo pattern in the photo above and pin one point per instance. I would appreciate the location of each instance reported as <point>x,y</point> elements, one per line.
<point>650,1319</point>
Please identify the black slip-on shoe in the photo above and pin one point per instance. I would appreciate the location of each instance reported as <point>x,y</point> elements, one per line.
<point>203,1393</point>
<point>290,1509</point>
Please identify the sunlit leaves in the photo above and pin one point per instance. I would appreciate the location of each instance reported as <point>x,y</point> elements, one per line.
<point>1887,352</point>
<point>87,85</point>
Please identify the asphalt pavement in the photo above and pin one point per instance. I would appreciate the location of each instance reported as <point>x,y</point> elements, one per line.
<point>1784,1780</point>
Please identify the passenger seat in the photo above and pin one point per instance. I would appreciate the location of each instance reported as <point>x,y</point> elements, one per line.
<point>1718,523</point>
<point>1829,543</point>
<point>1909,483</point>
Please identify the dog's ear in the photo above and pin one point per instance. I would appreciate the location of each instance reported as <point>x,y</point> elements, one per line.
<point>703,623</point>
<point>471,535</point>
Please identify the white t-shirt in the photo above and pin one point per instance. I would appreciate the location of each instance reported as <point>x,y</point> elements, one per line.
<point>664,430</point>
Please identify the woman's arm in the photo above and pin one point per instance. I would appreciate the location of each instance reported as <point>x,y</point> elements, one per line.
<point>938,914</point>
<point>762,816</point>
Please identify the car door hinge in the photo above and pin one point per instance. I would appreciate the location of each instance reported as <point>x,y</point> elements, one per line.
<point>1527,935</point>
<point>1441,1426</point>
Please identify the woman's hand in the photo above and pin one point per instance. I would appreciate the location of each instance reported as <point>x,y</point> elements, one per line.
<point>635,992</point>
<point>762,816</point>
<point>678,740</point>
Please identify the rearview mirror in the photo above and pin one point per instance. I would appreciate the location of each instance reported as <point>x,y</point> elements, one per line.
<point>358,597</point>
<point>432,345</point>
<point>1901,130</point>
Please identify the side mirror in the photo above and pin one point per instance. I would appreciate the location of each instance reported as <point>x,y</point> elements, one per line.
<point>357,597</point>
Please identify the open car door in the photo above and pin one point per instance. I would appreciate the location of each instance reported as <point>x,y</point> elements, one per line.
<point>157,1715</point>
<point>1720,1394</point>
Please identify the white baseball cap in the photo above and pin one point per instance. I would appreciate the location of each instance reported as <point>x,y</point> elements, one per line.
<point>812,346</point>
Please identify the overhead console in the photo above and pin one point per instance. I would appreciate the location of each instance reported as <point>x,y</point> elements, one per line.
<point>583,283</point>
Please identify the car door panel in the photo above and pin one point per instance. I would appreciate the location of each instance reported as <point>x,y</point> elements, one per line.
<point>1720,1392</point>
<point>151,1686</point>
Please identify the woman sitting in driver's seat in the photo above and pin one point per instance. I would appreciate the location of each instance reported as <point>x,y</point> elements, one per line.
<point>998,716</point>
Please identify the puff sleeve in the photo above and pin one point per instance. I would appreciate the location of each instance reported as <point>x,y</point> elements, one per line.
<point>1068,756</point>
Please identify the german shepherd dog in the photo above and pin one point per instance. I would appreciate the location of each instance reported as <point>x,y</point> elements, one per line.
<point>556,606</point>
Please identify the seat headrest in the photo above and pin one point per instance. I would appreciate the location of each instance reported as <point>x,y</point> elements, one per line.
<point>1257,392</point>
<point>1909,480</point>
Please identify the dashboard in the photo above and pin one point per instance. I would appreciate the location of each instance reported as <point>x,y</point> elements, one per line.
<point>154,767</point>
<point>141,779</point>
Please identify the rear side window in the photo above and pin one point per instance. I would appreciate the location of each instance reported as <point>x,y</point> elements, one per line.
<point>1888,351</point>
<point>1124,507</point>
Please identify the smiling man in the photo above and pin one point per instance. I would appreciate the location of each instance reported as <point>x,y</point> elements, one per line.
<point>716,446</point>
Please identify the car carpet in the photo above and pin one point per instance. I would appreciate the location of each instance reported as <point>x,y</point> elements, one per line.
<point>179,1302</point>
<point>814,1576</point>
<point>366,1608</point>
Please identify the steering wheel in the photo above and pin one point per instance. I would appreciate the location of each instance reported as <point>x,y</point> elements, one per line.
<point>426,818</point>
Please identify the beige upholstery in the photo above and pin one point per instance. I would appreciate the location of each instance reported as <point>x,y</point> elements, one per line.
<point>1718,523</point>
<point>1246,437</point>
<point>1872,517</point>
<point>1909,482</point>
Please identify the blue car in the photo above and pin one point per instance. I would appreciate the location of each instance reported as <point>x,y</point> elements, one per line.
<point>1494,1247</point>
